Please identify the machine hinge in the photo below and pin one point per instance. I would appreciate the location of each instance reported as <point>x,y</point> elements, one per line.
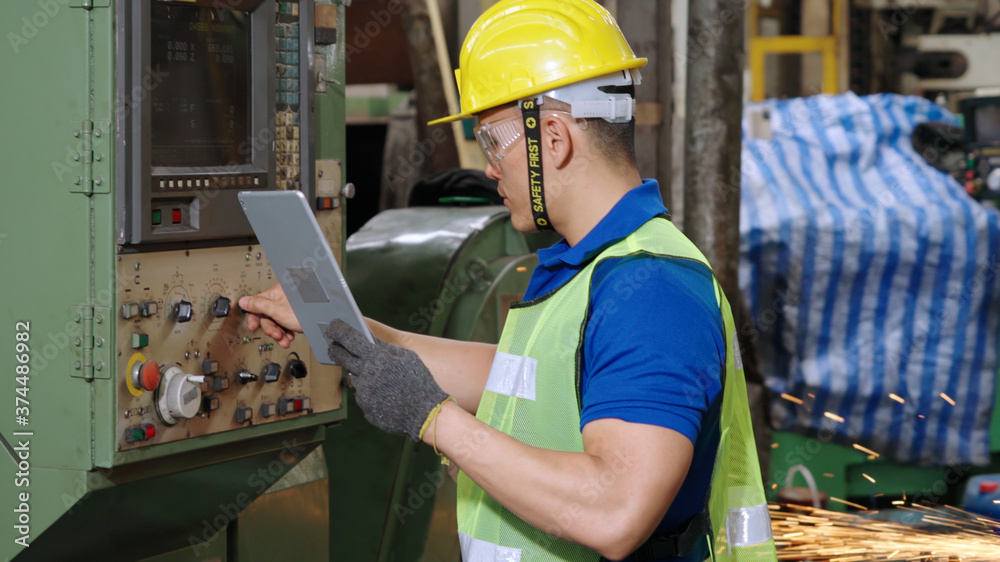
<point>91,140</point>
<point>90,4</point>
<point>92,342</point>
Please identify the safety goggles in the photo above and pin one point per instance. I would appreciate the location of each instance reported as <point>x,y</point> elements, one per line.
<point>497,137</point>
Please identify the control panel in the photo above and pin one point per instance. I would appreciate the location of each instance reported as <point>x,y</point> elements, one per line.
<point>982,136</point>
<point>187,364</point>
<point>226,103</point>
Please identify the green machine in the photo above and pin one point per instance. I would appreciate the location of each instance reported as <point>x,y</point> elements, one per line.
<point>142,421</point>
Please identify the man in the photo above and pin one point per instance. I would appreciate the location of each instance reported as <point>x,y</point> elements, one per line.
<point>592,429</point>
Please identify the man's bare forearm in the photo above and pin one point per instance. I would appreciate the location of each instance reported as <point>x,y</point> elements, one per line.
<point>460,368</point>
<point>609,499</point>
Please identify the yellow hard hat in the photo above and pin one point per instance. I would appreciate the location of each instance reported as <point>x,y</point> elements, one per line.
<point>522,48</point>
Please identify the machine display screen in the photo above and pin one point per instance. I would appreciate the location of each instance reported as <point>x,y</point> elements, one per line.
<point>201,108</point>
<point>987,124</point>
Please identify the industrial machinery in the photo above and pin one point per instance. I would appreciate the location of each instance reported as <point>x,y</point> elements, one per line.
<point>982,139</point>
<point>143,419</point>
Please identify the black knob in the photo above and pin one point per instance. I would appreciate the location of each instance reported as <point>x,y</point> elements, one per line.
<point>183,311</point>
<point>221,307</point>
<point>245,376</point>
<point>271,372</point>
<point>297,368</point>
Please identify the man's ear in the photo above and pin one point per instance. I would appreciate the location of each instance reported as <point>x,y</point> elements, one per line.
<point>558,140</point>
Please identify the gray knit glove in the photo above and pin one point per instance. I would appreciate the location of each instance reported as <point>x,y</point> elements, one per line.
<point>392,385</point>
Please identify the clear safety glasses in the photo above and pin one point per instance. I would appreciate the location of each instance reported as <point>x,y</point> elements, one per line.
<point>495,138</point>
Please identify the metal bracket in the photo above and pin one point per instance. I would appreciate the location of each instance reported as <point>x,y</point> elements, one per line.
<point>92,175</point>
<point>92,348</point>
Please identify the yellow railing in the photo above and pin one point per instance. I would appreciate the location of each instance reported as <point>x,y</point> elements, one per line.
<point>760,47</point>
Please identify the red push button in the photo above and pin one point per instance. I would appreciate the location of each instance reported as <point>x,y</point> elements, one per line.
<point>988,487</point>
<point>324,203</point>
<point>176,216</point>
<point>298,404</point>
<point>149,377</point>
<point>150,431</point>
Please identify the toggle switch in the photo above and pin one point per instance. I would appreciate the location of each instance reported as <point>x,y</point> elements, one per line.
<point>245,376</point>
<point>148,308</point>
<point>271,372</point>
<point>210,403</point>
<point>209,367</point>
<point>243,414</point>
<point>220,383</point>
<point>129,310</point>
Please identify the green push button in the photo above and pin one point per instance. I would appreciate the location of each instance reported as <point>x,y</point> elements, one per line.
<point>157,217</point>
<point>139,340</point>
<point>138,434</point>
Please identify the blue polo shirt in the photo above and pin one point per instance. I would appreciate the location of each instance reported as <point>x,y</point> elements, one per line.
<point>653,346</point>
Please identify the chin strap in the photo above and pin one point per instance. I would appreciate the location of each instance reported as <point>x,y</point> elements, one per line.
<point>533,141</point>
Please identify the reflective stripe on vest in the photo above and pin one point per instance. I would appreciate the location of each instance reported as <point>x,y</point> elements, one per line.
<point>531,394</point>
<point>475,550</point>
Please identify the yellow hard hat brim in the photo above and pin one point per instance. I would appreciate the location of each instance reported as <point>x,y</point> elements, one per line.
<point>541,88</point>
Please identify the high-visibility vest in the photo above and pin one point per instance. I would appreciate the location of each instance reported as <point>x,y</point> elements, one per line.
<point>532,394</point>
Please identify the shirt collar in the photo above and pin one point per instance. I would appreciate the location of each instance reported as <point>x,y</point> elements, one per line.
<point>638,206</point>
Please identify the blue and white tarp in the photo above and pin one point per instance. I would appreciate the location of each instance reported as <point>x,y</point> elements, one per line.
<point>871,278</point>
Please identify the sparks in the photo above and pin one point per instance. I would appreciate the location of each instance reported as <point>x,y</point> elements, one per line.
<point>947,399</point>
<point>897,398</point>
<point>845,502</point>
<point>834,417</point>
<point>865,450</point>
<point>806,533</point>
<point>791,398</point>
<point>869,478</point>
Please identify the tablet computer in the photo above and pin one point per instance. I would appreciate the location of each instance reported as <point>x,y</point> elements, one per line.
<point>304,265</point>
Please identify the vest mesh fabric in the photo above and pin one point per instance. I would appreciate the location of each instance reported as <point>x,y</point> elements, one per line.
<point>550,329</point>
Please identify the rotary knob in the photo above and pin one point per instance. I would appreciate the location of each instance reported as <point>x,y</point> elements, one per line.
<point>220,308</point>
<point>183,311</point>
<point>297,368</point>
<point>179,395</point>
<point>993,180</point>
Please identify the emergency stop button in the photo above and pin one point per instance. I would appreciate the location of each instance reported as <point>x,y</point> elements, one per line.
<point>146,375</point>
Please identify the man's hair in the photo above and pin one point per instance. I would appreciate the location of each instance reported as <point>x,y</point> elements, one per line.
<point>615,140</point>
